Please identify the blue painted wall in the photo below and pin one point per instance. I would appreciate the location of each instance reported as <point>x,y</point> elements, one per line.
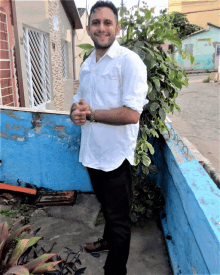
<point>192,211</point>
<point>43,152</point>
<point>204,50</point>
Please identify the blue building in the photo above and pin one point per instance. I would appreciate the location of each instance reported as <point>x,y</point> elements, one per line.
<point>204,45</point>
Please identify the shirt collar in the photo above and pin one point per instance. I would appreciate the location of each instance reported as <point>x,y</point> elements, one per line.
<point>112,51</point>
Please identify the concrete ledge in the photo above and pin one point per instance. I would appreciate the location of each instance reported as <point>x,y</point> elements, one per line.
<point>41,149</point>
<point>207,165</point>
<point>23,109</point>
<point>191,220</point>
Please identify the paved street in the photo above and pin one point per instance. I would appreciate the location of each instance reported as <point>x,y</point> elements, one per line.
<point>199,120</point>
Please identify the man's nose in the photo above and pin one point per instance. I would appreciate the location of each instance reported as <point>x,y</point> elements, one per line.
<point>101,27</point>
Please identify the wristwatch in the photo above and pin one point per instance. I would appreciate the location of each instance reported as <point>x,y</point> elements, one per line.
<point>92,118</point>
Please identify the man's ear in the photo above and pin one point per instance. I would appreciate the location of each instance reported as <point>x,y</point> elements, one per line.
<point>88,30</point>
<point>118,28</point>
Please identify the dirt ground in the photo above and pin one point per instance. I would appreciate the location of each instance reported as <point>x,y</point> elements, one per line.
<point>199,120</point>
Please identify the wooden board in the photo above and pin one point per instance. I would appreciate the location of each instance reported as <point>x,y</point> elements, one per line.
<point>56,198</point>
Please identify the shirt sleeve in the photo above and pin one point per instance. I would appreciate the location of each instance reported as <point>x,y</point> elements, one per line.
<point>77,96</point>
<point>134,77</point>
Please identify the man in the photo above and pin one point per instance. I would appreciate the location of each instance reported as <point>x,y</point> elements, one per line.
<point>108,104</point>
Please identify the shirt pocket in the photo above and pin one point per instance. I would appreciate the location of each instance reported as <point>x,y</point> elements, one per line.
<point>109,94</point>
<point>110,82</point>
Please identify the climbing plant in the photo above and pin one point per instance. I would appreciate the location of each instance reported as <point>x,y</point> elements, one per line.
<point>146,35</point>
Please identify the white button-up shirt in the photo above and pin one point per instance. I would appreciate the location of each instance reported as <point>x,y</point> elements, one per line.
<point>118,79</point>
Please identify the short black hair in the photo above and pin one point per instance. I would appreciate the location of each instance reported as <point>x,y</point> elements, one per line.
<point>104,4</point>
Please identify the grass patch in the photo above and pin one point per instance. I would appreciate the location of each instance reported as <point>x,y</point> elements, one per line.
<point>99,219</point>
<point>206,80</point>
<point>9,213</point>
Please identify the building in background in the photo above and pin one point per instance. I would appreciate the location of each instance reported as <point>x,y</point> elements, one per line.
<point>45,46</point>
<point>204,45</point>
<point>198,12</point>
<point>81,37</point>
<point>8,79</point>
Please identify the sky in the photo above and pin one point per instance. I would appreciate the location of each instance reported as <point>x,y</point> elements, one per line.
<point>159,4</point>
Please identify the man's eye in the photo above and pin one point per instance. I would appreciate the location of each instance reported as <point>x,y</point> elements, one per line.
<point>95,23</point>
<point>108,23</point>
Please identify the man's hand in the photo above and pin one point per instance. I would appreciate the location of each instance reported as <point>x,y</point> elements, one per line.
<point>79,111</point>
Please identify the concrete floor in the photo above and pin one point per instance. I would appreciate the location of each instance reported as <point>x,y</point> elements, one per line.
<point>71,226</point>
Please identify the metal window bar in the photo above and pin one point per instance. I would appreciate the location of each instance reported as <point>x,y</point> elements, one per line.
<point>64,58</point>
<point>37,67</point>
<point>3,19</point>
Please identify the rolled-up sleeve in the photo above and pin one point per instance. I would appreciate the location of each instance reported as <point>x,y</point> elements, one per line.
<point>134,73</point>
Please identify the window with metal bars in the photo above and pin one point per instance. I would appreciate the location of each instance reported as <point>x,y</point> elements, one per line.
<point>37,67</point>
<point>64,58</point>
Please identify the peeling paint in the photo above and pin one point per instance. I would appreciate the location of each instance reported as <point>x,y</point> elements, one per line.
<point>36,121</point>
<point>60,128</point>
<point>16,127</point>
<point>202,202</point>
<point>3,135</point>
<point>193,270</point>
<point>12,113</point>
<point>217,224</point>
<point>7,127</point>
<point>17,137</point>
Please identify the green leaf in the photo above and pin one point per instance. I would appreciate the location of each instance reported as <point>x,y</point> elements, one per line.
<point>17,270</point>
<point>149,87</point>
<point>154,133</point>
<point>137,159</point>
<point>85,46</point>
<point>145,170</point>
<point>156,82</point>
<point>146,160</point>
<point>177,107</point>
<point>185,82</point>
<point>15,234</point>
<point>153,169</point>
<point>192,59</point>
<point>4,231</point>
<point>38,261</point>
<point>144,146</point>
<point>17,252</point>
<point>151,95</point>
<point>154,106</point>
<point>171,74</point>
<point>144,135</point>
<point>146,130</point>
<point>151,148</point>
<point>32,241</point>
<point>177,83</point>
<point>179,75</point>
<point>162,114</point>
<point>45,267</point>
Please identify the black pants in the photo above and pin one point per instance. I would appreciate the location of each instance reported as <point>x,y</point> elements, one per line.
<point>114,191</point>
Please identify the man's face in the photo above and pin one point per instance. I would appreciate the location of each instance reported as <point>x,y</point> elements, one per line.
<point>102,28</point>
